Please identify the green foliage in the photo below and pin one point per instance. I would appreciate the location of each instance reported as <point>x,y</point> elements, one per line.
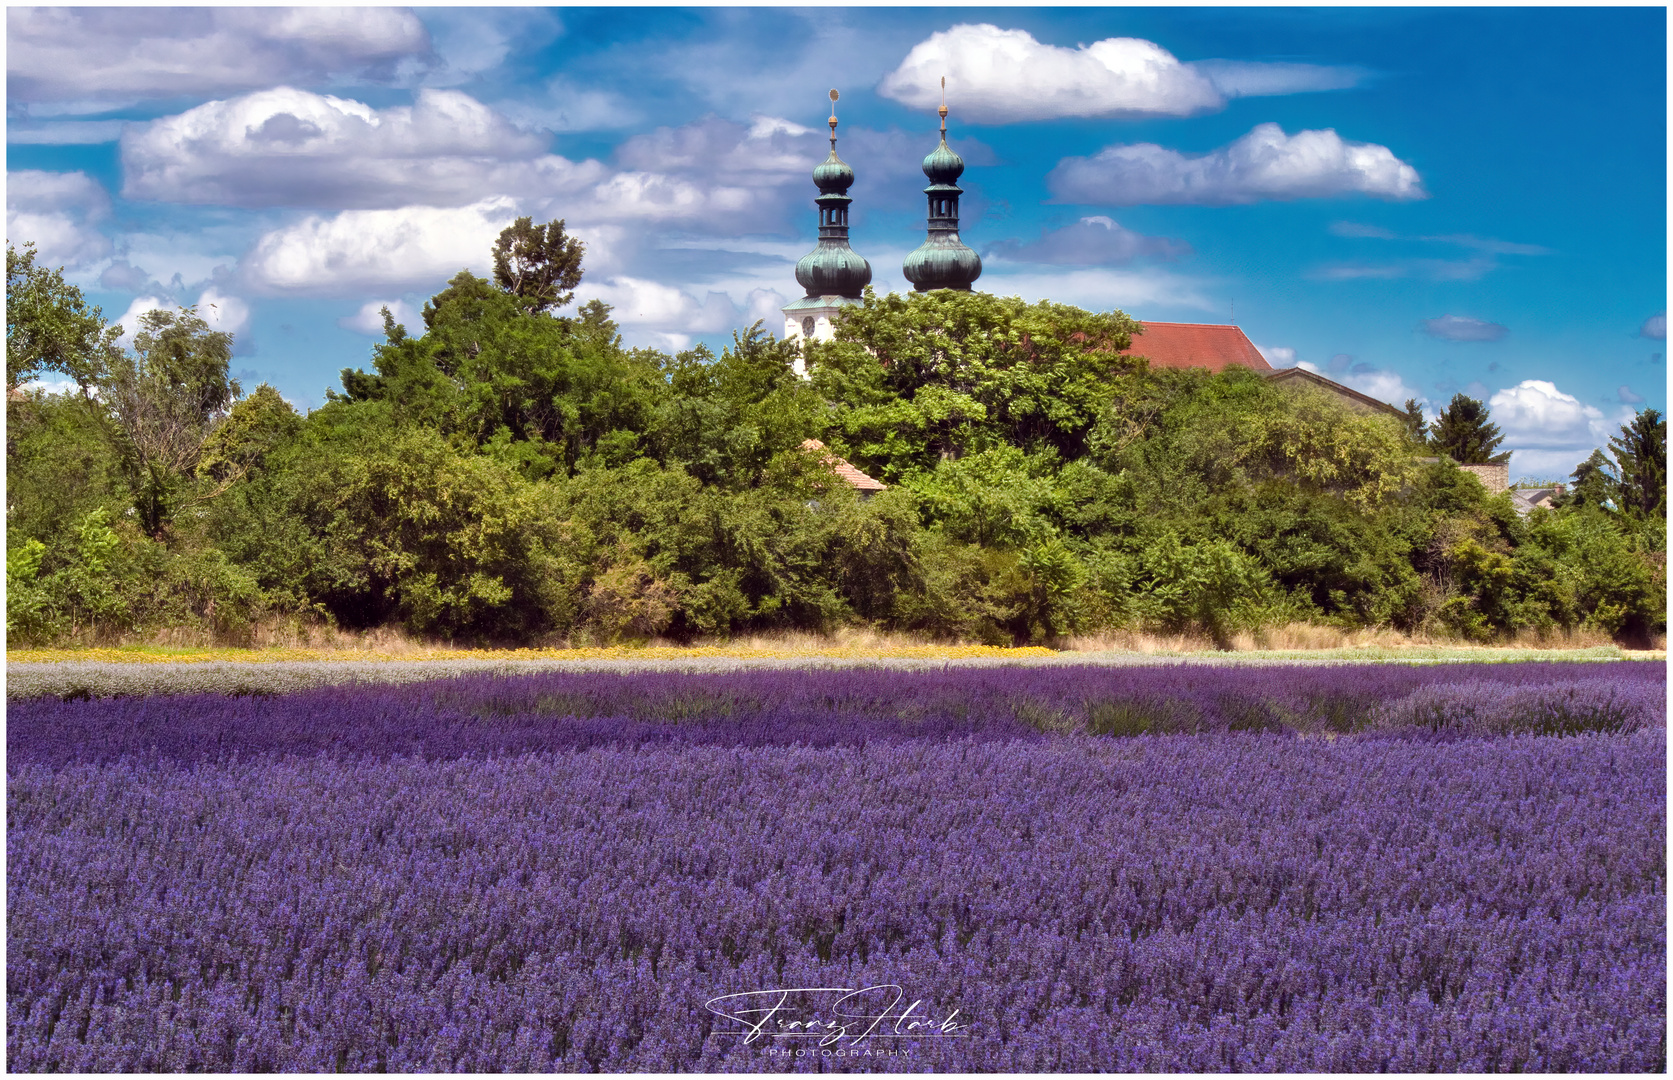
<point>1464,433</point>
<point>919,378</point>
<point>724,420</point>
<point>49,324</point>
<point>544,393</point>
<point>165,398</point>
<point>1641,458</point>
<point>538,264</point>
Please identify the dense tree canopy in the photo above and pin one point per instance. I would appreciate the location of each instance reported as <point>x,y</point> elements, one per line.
<point>504,473</point>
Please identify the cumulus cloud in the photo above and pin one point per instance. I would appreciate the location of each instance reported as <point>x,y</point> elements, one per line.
<point>121,54</point>
<point>1092,241</point>
<point>289,147</point>
<point>369,319</point>
<point>1462,328</point>
<point>1264,164</point>
<point>1277,355</point>
<point>409,246</point>
<point>999,76</point>
<point>1534,414</point>
<point>1655,327</point>
<point>59,214</point>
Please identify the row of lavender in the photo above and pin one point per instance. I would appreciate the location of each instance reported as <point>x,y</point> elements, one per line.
<point>1240,901</point>
<point>496,714</point>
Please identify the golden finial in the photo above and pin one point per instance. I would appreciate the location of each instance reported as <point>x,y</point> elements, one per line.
<point>943,106</point>
<point>833,119</point>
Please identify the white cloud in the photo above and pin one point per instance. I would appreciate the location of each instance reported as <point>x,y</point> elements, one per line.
<point>1092,241</point>
<point>1264,164</point>
<point>369,319</point>
<point>223,312</point>
<point>58,212</point>
<point>121,54</point>
<point>1462,328</point>
<point>409,246</point>
<point>1625,396</point>
<point>1655,327</point>
<point>288,147</point>
<point>1278,356</point>
<point>999,76</point>
<point>644,304</point>
<point>1534,414</point>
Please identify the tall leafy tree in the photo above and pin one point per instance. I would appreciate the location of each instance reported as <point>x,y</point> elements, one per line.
<point>1641,462</point>
<point>50,326</point>
<point>1464,433</point>
<point>165,397</point>
<point>538,264</point>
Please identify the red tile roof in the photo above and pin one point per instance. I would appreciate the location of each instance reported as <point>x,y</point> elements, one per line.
<point>856,479</point>
<point>1196,345</point>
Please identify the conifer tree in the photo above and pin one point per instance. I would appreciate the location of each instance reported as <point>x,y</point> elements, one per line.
<point>1464,433</point>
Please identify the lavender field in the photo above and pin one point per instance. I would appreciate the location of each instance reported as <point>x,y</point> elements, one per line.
<point>1352,868</point>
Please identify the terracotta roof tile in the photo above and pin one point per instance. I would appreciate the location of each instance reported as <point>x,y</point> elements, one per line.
<point>856,479</point>
<point>1196,345</point>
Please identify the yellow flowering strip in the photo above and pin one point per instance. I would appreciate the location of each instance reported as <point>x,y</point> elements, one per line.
<point>153,655</point>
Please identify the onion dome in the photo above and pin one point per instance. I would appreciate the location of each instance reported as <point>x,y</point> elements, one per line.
<point>833,268</point>
<point>942,166</point>
<point>942,261</point>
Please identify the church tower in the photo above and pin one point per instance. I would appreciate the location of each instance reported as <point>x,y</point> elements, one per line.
<point>832,273</point>
<point>942,261</point>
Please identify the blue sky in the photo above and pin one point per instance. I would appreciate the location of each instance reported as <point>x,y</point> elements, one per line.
<point>1414,201</point>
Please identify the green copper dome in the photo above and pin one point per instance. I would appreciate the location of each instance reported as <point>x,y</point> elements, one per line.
<point>833,176</point>
<point>942,166</point>
<point>833,268</point>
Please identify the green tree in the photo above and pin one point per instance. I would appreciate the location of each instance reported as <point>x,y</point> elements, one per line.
<point>724,420</point>
<point>1464,433</point>
<point>915,379</point>
<point>1641,462</point>
<point>1593,484</point>
<point>1417,429</point>
<point>50,326</point>
<point>538,264</point>
<point>166,397</point>
<point>541,393</point>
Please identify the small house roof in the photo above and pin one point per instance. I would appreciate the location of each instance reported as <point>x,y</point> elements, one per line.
<point>1196,345</point>
<point>856,479</point>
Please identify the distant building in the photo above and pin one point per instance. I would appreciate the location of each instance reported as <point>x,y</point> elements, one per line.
<point>942,261</point>
<point>1216,347</point>
<point>859,481</point>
